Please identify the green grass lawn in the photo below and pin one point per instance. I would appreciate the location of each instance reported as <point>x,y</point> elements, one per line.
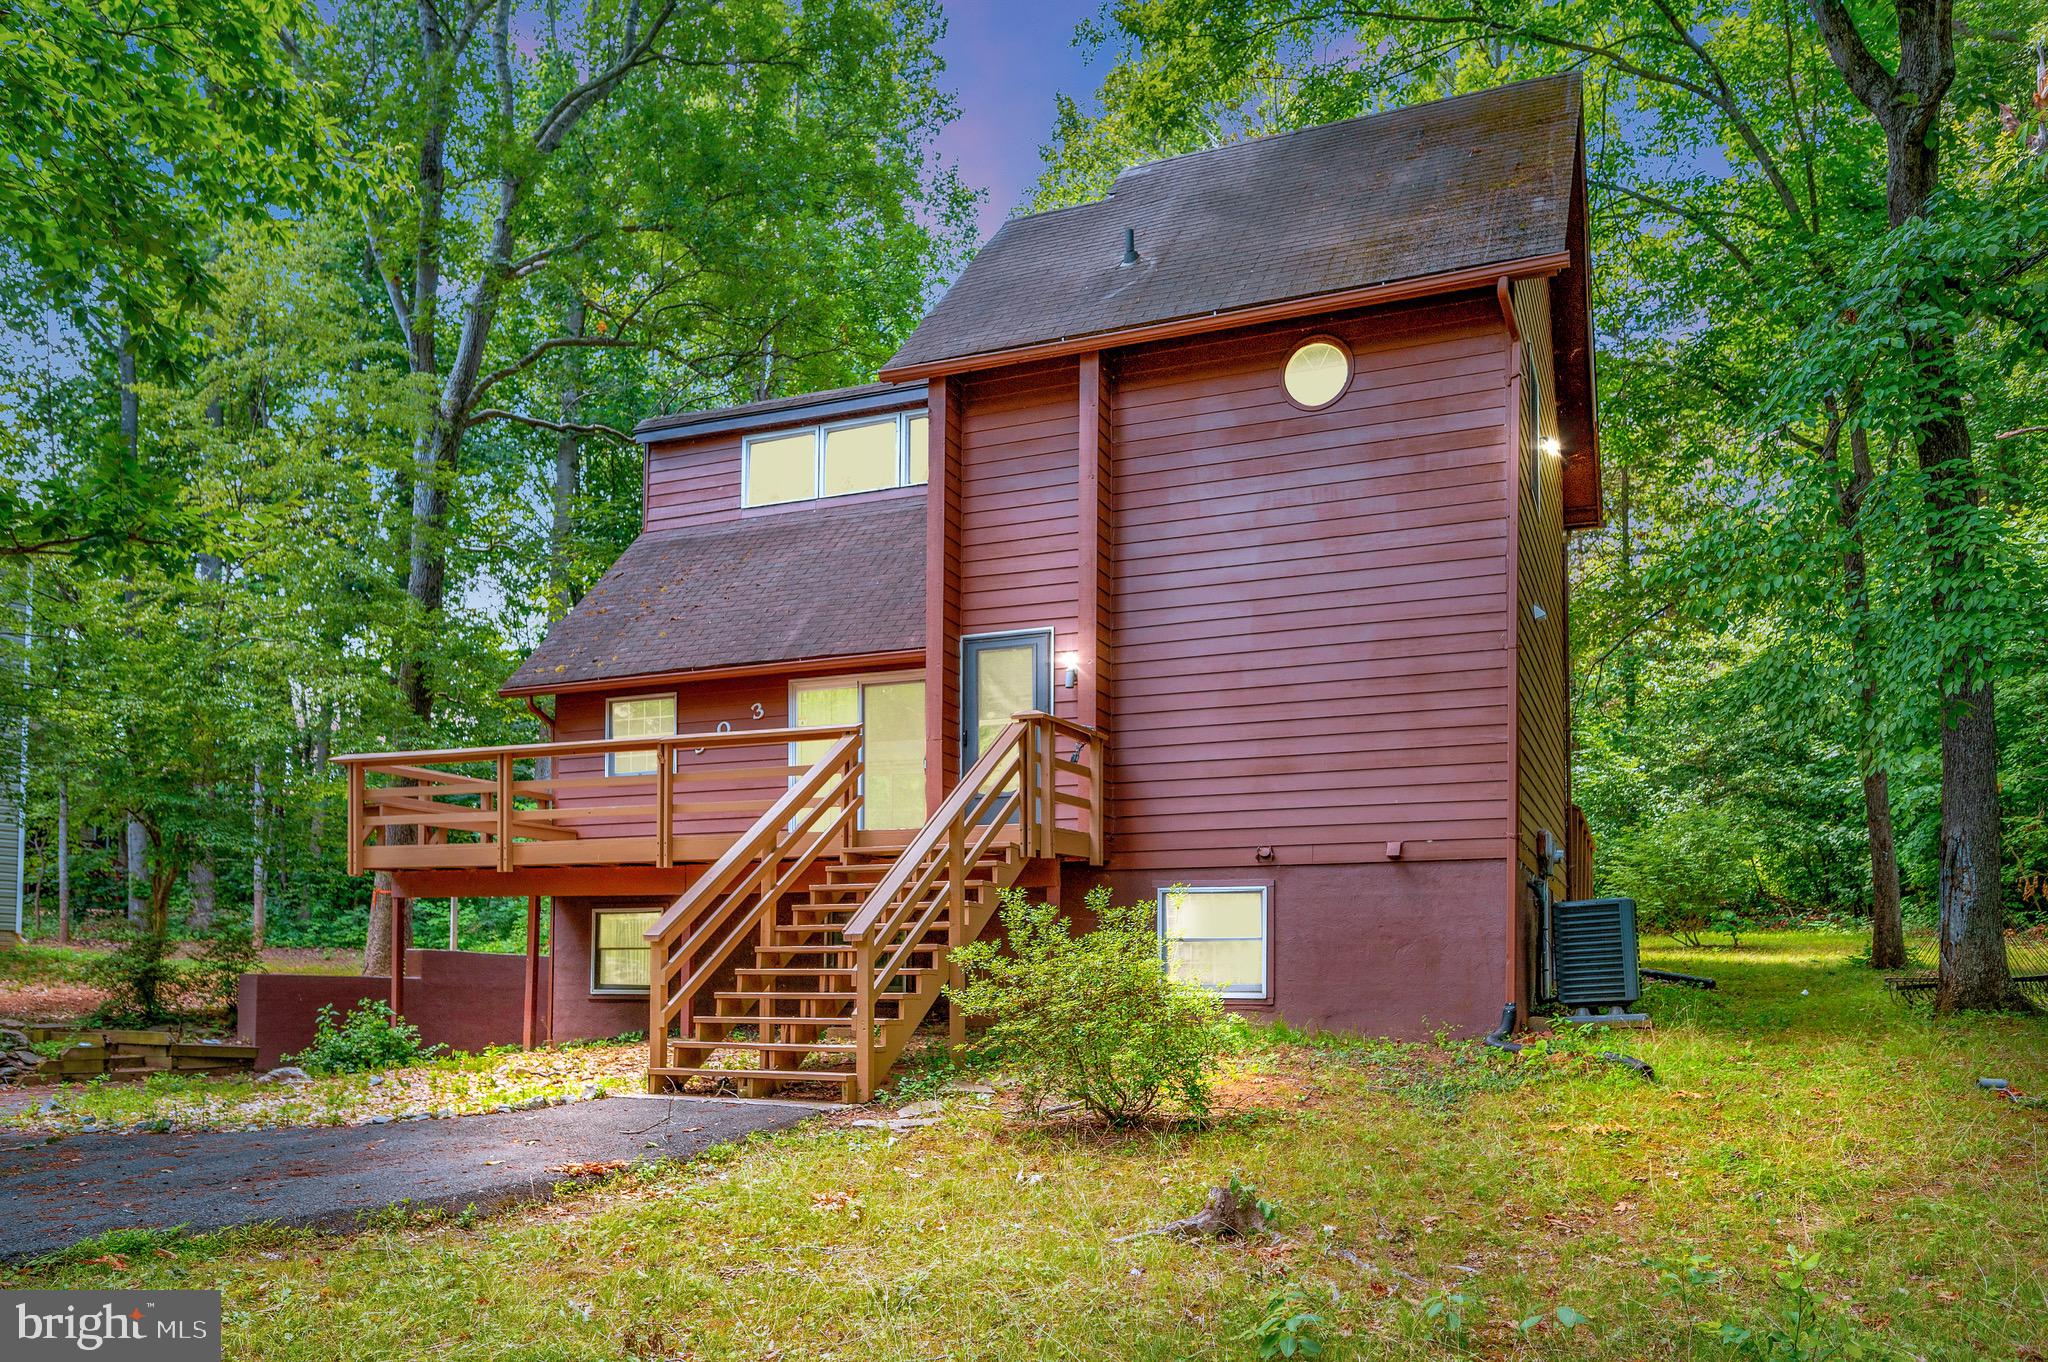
<point>1796,1106</point>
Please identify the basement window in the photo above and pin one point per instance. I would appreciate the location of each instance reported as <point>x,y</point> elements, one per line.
<point>618,951</point>
<point>836,460</point>
<point>1215,936</point>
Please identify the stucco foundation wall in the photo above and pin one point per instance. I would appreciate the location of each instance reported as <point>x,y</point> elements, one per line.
<point>1394,949</point>
<point>466,1000</point>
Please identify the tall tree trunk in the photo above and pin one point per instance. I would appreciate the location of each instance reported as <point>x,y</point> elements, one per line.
<point>454,924</point>
<point>1973,971</point>
<point>259,884</point>
<point>377,944</point>
<point>163,878</point>
<point>316,820</point>
<point>1887,931</point>
<point>131,439</point>
<point>137,862</point>
<point>1628,586</point>
<point>63,859</point>
<point>201,882</point>
<point>1887,928</point>
<point>568,469</point>
<point>36,921</point>
<point>1907,106</point>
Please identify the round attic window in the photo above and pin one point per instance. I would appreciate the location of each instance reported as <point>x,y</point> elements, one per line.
<point>1317,373</point>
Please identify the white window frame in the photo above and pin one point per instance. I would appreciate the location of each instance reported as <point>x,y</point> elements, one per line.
<point>597,953</point>
<point>611,762</point>
<point>1265,893</point>
<point>818,433</point>
<point>860,681</point>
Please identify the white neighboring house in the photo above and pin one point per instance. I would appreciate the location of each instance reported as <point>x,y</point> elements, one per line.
<point>12,837</point>
<point>13,823</point>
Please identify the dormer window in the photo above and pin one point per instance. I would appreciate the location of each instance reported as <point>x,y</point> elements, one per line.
<point>835,460</point>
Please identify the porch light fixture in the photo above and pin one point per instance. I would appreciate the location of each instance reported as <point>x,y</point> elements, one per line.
<point>1551,446</point>
<point>1070,670</point>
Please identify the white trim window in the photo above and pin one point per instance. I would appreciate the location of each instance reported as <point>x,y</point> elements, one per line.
<point>619,959</point>
<point>1215,935</point>
<point>637,716</point>
<point>837,460</point>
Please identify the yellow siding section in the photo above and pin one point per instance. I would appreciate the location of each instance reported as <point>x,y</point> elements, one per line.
<point>1544,713</point>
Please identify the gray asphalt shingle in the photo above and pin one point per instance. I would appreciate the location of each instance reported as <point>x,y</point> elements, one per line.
<point>1459,183</point>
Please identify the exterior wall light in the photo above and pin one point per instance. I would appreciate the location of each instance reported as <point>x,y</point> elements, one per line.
<point>1551,446</point>
<point>1070,670</point>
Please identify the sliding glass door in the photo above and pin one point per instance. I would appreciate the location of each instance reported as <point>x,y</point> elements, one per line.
<point>891,709</point>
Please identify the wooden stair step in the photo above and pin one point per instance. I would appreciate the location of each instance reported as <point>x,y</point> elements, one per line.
<point>740,994</point>
<point>799,1047</point>
<point>785,1075</point>
<point>753,1020</point>
<point>808,971</point>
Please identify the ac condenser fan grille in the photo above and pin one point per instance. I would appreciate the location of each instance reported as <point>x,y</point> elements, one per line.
<point>1595,952</point>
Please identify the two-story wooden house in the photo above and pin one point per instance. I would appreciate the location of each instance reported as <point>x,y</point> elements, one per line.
<point>1207,540</point>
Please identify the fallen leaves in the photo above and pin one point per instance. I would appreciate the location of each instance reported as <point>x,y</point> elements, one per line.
<point>595,1169</point>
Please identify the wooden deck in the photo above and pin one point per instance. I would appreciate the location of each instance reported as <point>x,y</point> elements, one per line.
<point>511,808</point>
<point>830,936</point>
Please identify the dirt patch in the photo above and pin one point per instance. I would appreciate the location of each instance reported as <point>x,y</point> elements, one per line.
<point>45,1004</point>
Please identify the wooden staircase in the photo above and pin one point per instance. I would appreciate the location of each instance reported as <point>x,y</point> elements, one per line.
<point>789,1019</point>
<point>851,940</point>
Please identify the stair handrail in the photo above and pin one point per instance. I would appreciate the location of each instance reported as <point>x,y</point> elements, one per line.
<point>1020,768</point>
<point>789,832</point>
<point>862,925</point>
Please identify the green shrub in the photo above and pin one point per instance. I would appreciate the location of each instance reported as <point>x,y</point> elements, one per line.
<point>1092,1018</point>
<point>370,1038</point>
<point>1692,871</point>
<point>215,974</point>
<point>139,978</point>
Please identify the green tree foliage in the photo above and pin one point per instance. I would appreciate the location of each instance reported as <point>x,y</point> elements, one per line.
<point>435,262</point>
<point>133,133</point>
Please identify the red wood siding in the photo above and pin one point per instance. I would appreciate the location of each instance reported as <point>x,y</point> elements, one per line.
<point>942,594</point>
<point>700,708</point>
<point>1311,607</point>
<point>1018,483</point>
<point>692,482</point>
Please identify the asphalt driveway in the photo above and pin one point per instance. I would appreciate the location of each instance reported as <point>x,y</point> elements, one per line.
<point>60,1192</point>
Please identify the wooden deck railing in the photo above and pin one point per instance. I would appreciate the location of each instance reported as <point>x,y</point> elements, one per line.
<point>492,808</point>
<point>1021,791</point>
<point>700,931</point>
<point>1578,855</point>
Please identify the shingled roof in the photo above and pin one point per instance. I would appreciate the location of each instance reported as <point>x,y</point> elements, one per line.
<point>1483,179</point>
<point>823,581</point>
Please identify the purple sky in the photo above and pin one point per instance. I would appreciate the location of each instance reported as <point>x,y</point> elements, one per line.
<point>1005,60</point>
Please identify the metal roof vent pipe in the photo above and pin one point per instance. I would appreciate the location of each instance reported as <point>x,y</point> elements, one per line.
<point>1130,247</point>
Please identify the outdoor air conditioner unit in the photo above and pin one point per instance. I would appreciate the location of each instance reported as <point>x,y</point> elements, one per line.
<point>1593,953</point>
